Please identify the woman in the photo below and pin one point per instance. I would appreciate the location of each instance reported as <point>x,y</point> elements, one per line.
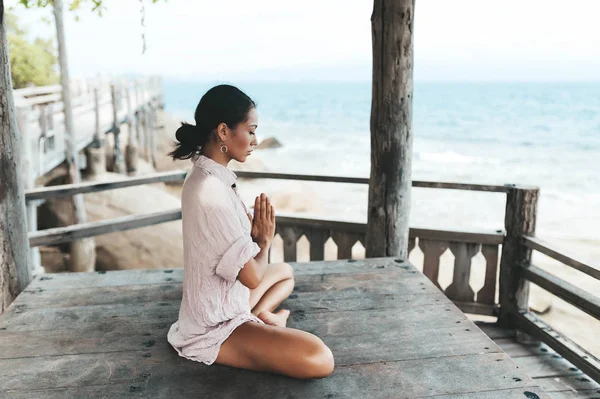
<point>229,290</point>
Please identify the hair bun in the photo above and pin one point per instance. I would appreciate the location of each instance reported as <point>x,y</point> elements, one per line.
<point>188,134</point>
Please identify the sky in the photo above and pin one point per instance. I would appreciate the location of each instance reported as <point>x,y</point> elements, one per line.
<point>458,40</point>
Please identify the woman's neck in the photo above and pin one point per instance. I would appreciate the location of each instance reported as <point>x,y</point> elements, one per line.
<point>216,155</point>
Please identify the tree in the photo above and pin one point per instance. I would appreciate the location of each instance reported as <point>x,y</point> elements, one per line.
<point>31,63</point>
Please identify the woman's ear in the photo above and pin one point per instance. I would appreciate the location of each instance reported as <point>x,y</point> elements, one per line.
<point>222,131</point>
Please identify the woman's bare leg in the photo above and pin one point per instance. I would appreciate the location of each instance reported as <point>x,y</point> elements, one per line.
<point>279,350</point>
<point>275,287</point>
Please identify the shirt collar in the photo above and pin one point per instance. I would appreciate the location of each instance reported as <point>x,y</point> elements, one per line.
<point>214,168</point>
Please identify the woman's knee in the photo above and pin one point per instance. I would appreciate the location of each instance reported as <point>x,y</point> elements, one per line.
<point>287,271</point>
<point>318,362</point>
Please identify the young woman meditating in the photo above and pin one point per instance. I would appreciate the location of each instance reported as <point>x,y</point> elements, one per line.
<point>230,292</point>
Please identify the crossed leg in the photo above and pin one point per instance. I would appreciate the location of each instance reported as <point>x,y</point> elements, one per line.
<point>272,347</point>
<point>275,287</point>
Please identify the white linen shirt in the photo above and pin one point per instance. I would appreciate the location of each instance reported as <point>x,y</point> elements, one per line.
<point>216,243</point>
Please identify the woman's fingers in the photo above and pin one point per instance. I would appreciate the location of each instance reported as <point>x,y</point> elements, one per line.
<point>263,206</point>
<point>257,207</point>
<point>268,209</point>
<point>272,213</point>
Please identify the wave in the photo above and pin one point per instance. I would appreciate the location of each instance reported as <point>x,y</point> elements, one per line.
<point>451,157</point>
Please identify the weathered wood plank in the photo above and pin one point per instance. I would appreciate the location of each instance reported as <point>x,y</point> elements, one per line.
<point>587,394</point>
<point>142,373</point>
<point>533,325</point>
<point>496,331</point>
<point>162,276</point>
<point>516,349</point>
<point>290,240</point>
<point>560,255</point>
<point>356,288</point>
<point>66,190</point>
<point>577,382</point>
<point>412,330</point>
<point>317,239</point>
<point>344,242</point>
<point>82,230</point>
<point>432,250</point>
<point>487,294</point>
<point>546,366</point>
<point>577,297</point>
<point>460,289</point>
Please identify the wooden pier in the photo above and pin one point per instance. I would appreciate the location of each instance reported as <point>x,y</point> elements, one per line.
<point>392,331</point>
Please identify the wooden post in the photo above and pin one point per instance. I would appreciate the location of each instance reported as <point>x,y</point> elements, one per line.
<point>14,269</point>
<point>142,121</point>
<point>391,128</point>
<point>29,173</point>
<point>118,161</point>
<point>520,218</point>
<point>83,254</point>
<point>150,124</point>
<point>96,156</point>
<point>131,151</point>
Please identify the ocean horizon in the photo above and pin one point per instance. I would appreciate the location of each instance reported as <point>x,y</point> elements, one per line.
<point>545,134</point>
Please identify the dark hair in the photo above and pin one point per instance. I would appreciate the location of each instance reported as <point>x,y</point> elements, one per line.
<point>221,104</point>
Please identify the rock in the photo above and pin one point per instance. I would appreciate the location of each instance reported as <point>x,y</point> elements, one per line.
<point>270,142</point>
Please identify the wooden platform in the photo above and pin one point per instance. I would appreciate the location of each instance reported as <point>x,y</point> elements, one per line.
<point>392,332</point>
<point>557,376</point>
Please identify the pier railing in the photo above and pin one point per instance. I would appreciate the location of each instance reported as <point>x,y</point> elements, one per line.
<point>507,251</point>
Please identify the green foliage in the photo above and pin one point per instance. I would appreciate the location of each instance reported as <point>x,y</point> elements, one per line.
<point>31,62</point>
<point>96,5</point>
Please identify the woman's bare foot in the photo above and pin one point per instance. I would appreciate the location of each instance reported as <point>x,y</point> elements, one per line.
<point>275,319</point>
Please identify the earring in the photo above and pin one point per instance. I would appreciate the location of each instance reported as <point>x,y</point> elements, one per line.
<point>224,148</point>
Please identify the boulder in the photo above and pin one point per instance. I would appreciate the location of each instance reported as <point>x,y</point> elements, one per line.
<point>270,142</point>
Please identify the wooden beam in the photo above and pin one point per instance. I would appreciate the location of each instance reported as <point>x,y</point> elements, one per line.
<point>581,358</point>
<point>392,24</point>
<point>15,273</point>
<point>43,193</point>
<point>519,220</point>
<point>546,248</point>
<point>65,190</point>
<point>66,234</point>
<point>577,297</point>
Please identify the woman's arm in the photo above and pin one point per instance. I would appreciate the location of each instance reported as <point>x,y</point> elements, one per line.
<point>254,270</point>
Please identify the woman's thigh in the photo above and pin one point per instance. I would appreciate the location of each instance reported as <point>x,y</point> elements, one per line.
<point>279,350</point>
<point>275,273</point>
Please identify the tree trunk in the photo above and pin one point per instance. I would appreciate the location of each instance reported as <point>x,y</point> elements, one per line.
<point>391,128</point>
<point>14,269</point>
<point>83,254</point>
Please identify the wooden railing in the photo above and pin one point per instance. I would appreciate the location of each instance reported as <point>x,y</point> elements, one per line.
<point>464,245</point>
<point>99,108</point>
<point>579,298</point>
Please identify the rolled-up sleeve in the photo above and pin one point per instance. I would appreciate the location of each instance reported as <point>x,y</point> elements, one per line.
<point>233,245</point>
<point>236,256</point>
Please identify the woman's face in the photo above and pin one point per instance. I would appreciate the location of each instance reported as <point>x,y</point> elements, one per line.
<point>243,140</point>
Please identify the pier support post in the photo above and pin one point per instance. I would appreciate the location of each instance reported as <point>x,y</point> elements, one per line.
<point>118,160</point>
<point>95,152</point>
<point>391,128</point>
<point>15,273</point>
<point>520,219</point>
<point>131,151</point>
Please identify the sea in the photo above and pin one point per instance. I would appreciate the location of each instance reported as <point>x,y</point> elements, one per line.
<point>527,133</point>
